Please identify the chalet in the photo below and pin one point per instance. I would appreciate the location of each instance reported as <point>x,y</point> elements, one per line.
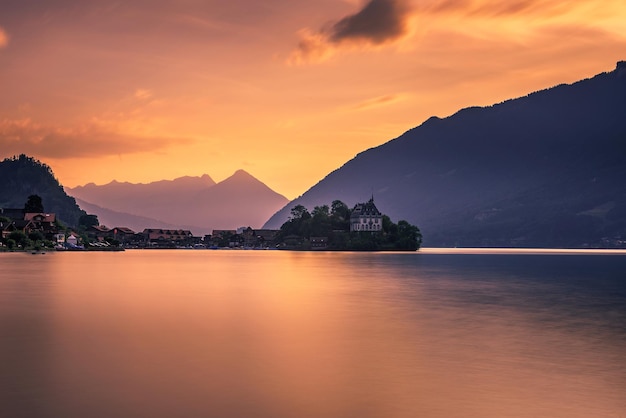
<point>366,217</point>
<point>7,228</point>
<point>28,222</point>
<point>168,237</point>
<point>98,232</point>
<point>122,234</point>
<point>266,236</point>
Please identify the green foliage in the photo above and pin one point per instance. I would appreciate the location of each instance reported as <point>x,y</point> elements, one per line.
<point>36,236</point>
<point>20,239</point>
<point>34,204</point>
<point>334,224</point>
<point>88,220</point>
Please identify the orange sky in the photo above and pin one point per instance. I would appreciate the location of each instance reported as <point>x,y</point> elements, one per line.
<point>143,90</point>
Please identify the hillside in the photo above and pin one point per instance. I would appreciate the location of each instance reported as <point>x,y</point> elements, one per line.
<point>195,203</point>
<point>545,170</point>
<point>23,176</point>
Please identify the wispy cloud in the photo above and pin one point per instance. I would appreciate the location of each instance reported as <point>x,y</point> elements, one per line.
<point>93,139</point>
<point>143,94</point>
<point>378,22</point>
<point>493,8</point>
<point>378,101</point>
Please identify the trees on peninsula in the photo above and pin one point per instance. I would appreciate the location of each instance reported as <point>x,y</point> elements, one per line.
<point>333,224</point>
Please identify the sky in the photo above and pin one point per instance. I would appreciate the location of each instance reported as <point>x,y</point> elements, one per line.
<point>287,90</point>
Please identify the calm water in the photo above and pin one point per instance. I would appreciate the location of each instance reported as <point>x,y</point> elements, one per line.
<point>286,334</point>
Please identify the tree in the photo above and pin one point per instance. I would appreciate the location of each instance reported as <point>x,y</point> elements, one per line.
<point>19,238</point>
<point>320,211</point>
<point>409,236</point>
<point>299,212</point>
<point>88,220</point>
<point>36,236</point>
<point>320,221</point>
<point>33,204</point>
<point>339,215</point>
<point>339,209</point>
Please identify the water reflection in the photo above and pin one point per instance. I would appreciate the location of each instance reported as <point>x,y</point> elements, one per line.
<point>281,334</point>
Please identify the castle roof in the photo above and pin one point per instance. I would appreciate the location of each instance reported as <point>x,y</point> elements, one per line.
<point>365,209</point>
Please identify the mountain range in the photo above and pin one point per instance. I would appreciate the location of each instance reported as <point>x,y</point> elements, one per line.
<point>196,203</point>
<point>544,170</point>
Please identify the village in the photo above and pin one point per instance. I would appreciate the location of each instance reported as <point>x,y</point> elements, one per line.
<point>32,230</point>
<point>23,230</point>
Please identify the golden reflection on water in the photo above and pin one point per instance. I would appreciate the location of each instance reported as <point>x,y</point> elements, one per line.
<point>290,334</point>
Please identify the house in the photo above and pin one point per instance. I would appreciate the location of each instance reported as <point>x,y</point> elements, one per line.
<point>168,238</point>
<point>7,228</point>
<point>122,234</point>
<point>319,243</point>
<point>222,238</point>
<point>366,217</point>
<point>28,222</point>
<point>12,213</point>
<point>59,239</point>
<point>98,232</point>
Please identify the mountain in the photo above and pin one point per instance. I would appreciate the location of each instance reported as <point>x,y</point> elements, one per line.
<point>544,170</point>
<point>23,176</point>
<point>111,218</point>
<point>195,203</point>
<point>132,198</point>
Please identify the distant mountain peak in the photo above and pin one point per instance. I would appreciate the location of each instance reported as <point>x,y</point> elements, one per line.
<point>241,176</point>
<point>242,172</point>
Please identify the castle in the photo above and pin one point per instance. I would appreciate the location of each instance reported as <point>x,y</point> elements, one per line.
<point>366,217</point>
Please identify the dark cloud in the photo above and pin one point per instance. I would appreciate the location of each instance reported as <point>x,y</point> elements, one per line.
<point>378,22</point>
<point>25,136</point>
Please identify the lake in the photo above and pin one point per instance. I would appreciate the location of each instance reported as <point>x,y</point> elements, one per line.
<point>201,333</point>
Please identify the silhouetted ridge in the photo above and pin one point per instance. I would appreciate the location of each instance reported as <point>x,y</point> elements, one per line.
<point>23,176</point>
<point>531,171</point>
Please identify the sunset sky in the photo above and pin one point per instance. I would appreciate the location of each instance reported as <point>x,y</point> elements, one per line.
<point>144,90</point>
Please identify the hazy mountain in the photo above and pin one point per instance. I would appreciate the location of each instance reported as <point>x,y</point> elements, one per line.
<point>195,203</point>
<point>111,218</point>
<point>23,176</point>
<point>547,169</point>
<point>142,199</point>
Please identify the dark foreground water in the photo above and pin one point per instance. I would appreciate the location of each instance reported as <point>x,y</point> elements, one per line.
<point>288,334</point>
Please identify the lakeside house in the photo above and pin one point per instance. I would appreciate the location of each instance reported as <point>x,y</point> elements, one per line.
<point>28,222</point>
<point>366,217</point>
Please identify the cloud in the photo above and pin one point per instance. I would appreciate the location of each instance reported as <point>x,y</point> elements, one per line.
<point>142,94</point>
<point>377,23</point>
<point>4,38</point>
<point>23,136</point>
<point>378,101</point>
<point>490,8</point>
